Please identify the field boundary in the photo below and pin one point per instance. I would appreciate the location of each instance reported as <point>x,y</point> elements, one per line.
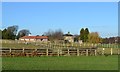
<point>58,52</point>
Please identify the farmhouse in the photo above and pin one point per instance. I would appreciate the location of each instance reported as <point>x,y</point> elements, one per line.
<point>34,38</point>
<point>68,37</point>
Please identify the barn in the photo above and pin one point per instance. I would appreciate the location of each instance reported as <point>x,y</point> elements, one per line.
<point>34,38</point>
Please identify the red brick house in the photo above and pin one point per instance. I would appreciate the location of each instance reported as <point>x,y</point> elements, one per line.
<point>34,38</point>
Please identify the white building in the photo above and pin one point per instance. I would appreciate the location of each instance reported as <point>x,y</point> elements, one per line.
<point>68,37</point>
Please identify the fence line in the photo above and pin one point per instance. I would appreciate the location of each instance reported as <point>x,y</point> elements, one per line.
<point>58,52</point>
<point>63,44</point>
<point>47,52</point>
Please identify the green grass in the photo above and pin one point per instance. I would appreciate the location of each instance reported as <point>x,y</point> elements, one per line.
<point>61,63</point>
<point>20,45</point>
<point>58,63</point>
<point>32,45</point>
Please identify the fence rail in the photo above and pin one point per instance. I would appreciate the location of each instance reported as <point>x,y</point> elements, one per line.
<point>47,52</point>
<point>58,52</point>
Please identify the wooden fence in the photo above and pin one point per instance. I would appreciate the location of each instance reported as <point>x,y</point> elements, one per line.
<point>48,52</point>
<point>58,52</point>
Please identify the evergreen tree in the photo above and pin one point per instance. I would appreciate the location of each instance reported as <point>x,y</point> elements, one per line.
<point>82,34</point>
<point>3,33</point>
<point>86,33</point>
<point>10,32</point>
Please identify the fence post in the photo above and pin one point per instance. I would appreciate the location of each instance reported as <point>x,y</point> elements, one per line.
<point>111,51</point>
<point>95,52</point>
<point>86,52</point>
<point>47,52</point>
<point>118,51</point>
<point>23,50</point>
<point>68,52</point>
<point>77,51</point>
<point>35,49</point>
<point>10,50</point>
<point>103,51</point>
<point>58,52</point>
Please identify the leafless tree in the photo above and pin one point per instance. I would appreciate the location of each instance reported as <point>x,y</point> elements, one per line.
<point>54,35</point>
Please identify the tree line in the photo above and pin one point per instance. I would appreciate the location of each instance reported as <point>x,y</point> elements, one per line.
<point>111,40</point>
<point>85,35</point>
<point>12,33</point>
<point>91,37</point>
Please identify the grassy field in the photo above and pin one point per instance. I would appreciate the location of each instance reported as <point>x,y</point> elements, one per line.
<point>61,63</point>
<point>16,45</point>
<point>19,44</point>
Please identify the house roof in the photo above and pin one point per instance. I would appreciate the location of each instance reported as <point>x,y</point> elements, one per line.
<point>67,35</point>
<point>34,37</point>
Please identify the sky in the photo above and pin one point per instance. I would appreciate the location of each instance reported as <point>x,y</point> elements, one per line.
<point>39,17</point>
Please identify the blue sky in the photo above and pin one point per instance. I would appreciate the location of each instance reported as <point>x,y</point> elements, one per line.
<point>39,17</point>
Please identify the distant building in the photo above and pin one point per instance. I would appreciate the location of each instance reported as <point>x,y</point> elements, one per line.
<point>34,38</point>
<point>68,37</point>
<point>80,42</point>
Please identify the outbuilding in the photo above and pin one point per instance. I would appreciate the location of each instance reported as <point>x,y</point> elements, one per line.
<point>34,38</point>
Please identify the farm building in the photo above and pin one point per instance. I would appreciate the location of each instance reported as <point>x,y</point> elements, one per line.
<point>34,38</point>
<point>68,37</point>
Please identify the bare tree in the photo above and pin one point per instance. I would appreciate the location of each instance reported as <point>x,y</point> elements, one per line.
<point>54,35</point>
